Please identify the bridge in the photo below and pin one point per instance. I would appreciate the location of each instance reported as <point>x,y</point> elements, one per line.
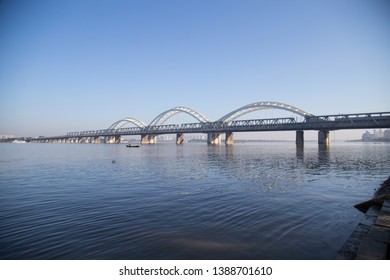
<point>227,124</point>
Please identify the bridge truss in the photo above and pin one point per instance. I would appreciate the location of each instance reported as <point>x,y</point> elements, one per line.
<point>262,106</point>
<point>122,122</point>
<point>229,123</point>
<point>164,116</point>
<point>326,122</point>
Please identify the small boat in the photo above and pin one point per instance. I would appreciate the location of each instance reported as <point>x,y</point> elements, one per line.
<point>132,146</point>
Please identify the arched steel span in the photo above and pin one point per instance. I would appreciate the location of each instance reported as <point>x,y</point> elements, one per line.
<point>160,119</point>
<point>122,122</point>
<point>262,106</point>
<point>164,116</point>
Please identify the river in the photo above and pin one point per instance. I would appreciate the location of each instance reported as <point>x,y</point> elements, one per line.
<point>193,201</point>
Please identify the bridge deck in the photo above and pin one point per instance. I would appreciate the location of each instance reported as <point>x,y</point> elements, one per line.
<point>326,122</point>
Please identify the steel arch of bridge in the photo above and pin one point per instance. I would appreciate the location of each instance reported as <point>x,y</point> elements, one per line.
<point>262,106</point>
<point>164,116</point>
<point>122,122</point>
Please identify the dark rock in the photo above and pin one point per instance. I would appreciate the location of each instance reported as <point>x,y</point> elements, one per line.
<point>380,195</point>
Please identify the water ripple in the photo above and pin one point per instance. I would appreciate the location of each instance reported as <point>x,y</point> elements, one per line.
<point>267,201</point>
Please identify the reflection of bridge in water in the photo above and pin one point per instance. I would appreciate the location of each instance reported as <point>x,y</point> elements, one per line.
<point>228,124</point>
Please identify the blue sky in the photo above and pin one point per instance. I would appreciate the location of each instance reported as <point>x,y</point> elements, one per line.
<point>80,65</point>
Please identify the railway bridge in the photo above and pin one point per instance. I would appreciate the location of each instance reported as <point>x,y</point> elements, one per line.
<point>227,124</point>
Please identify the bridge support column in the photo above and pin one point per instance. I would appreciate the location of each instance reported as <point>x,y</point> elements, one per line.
<point>323,137</point>
<point>152,139</point>
<point>68,141</point>
<point>148,139</point>
<point>144,139</point>
<point>299,140</point>
<point>213,139</point>
<point>179,138</point>
<point>117,139</point>
<point>81,140</point>
<point>113,140</point>
<point>110,139</point>
<point>229,138</point>
<point>96,140</point>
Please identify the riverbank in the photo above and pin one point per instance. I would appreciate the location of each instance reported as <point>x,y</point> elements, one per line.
<point>371,238</point>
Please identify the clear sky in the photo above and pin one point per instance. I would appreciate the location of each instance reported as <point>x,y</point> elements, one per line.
<point>80,65</point>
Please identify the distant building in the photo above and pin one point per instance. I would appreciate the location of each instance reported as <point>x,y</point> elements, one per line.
<point>6,136</point>
<point>376,135</point>
<point>366,136</point>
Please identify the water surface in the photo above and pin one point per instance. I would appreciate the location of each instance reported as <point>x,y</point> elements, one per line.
<point>246,201</point>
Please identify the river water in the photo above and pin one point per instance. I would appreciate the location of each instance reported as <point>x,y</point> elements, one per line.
<point>194,201</point>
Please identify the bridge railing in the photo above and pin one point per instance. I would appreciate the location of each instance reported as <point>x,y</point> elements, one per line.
<point>173,128</point>
<point>128,130</point>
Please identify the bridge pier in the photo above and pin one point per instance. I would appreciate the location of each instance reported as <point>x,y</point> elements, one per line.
<point>213,138</point>
<point>113,140</point>
<point>144,139</point>
<point>179,138</point>
<point>148,139</point>
<point>108,139</point>
<point>229,138</point>
<point>323,137</point>
<point>96,140</point>
<point>152,139</point>
<point>299,139</point>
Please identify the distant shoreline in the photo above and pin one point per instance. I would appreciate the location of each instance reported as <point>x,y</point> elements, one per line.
<point>381,140</point>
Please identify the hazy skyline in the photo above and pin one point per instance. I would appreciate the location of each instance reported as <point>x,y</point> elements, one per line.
<point>81,65</point>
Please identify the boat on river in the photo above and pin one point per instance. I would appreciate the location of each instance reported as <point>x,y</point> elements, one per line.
<point>132,146</point>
